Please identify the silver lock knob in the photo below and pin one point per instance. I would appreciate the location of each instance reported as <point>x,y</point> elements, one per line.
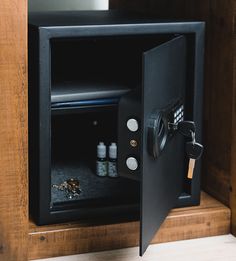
<point>132,125</point>
<point>132,163</point>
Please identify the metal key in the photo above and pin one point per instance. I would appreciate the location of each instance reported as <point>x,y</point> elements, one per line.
<point>191,166</point>
<point>194,151</point>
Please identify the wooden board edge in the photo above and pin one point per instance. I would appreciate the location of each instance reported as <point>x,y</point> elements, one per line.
<point>180,225</point>
<point>13,131</point>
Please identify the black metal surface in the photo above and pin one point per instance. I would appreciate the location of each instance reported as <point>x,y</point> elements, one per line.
<point>75,18</point>
<point>129,108</point>
<point>164,80</point>
<point>80,25</point>
<point>106,189</point>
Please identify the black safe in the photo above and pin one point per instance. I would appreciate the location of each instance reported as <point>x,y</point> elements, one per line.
<point>113,77</point>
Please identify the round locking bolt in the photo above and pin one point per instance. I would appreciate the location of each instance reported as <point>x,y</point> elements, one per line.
<point>132,125</point>
<point>132,163</point>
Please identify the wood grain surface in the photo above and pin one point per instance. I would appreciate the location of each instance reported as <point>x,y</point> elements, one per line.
<point>233,133</point>
<point>204,249</point>
<point>209,219</point>
<point>13,131</point>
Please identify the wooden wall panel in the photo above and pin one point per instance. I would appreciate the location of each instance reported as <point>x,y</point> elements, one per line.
<point>165,8</point>
<point>13,131</point>
<point>218,94</point>
<point>233,134</point>
<point>218,102</point>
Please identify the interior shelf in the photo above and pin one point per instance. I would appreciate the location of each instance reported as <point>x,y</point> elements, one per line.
<point>67,91</point>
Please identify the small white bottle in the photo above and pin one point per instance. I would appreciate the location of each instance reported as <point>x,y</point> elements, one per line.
<point>112,163</point>
<point>101,168</point>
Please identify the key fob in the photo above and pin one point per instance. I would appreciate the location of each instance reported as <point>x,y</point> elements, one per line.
<point>194,150</point>
<point>186,128</point>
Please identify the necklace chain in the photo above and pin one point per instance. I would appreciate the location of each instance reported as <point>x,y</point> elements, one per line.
<point>71,187</point>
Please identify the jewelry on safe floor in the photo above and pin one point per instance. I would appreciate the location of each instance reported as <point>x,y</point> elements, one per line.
<point>71,187</point>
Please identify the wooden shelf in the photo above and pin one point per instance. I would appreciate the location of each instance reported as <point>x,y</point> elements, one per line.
<point>211,218</point>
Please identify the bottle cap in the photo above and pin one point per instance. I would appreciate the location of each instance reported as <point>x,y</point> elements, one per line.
<point>113,150</point>
<point>101,150</point>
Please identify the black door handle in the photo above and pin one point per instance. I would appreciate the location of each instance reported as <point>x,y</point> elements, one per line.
<point>157,133</point>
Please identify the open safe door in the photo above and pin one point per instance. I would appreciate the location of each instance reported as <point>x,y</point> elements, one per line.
<point>149,150</point>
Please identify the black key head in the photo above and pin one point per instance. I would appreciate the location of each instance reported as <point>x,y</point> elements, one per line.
<point>194,150</point>
<point>186,128</point>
